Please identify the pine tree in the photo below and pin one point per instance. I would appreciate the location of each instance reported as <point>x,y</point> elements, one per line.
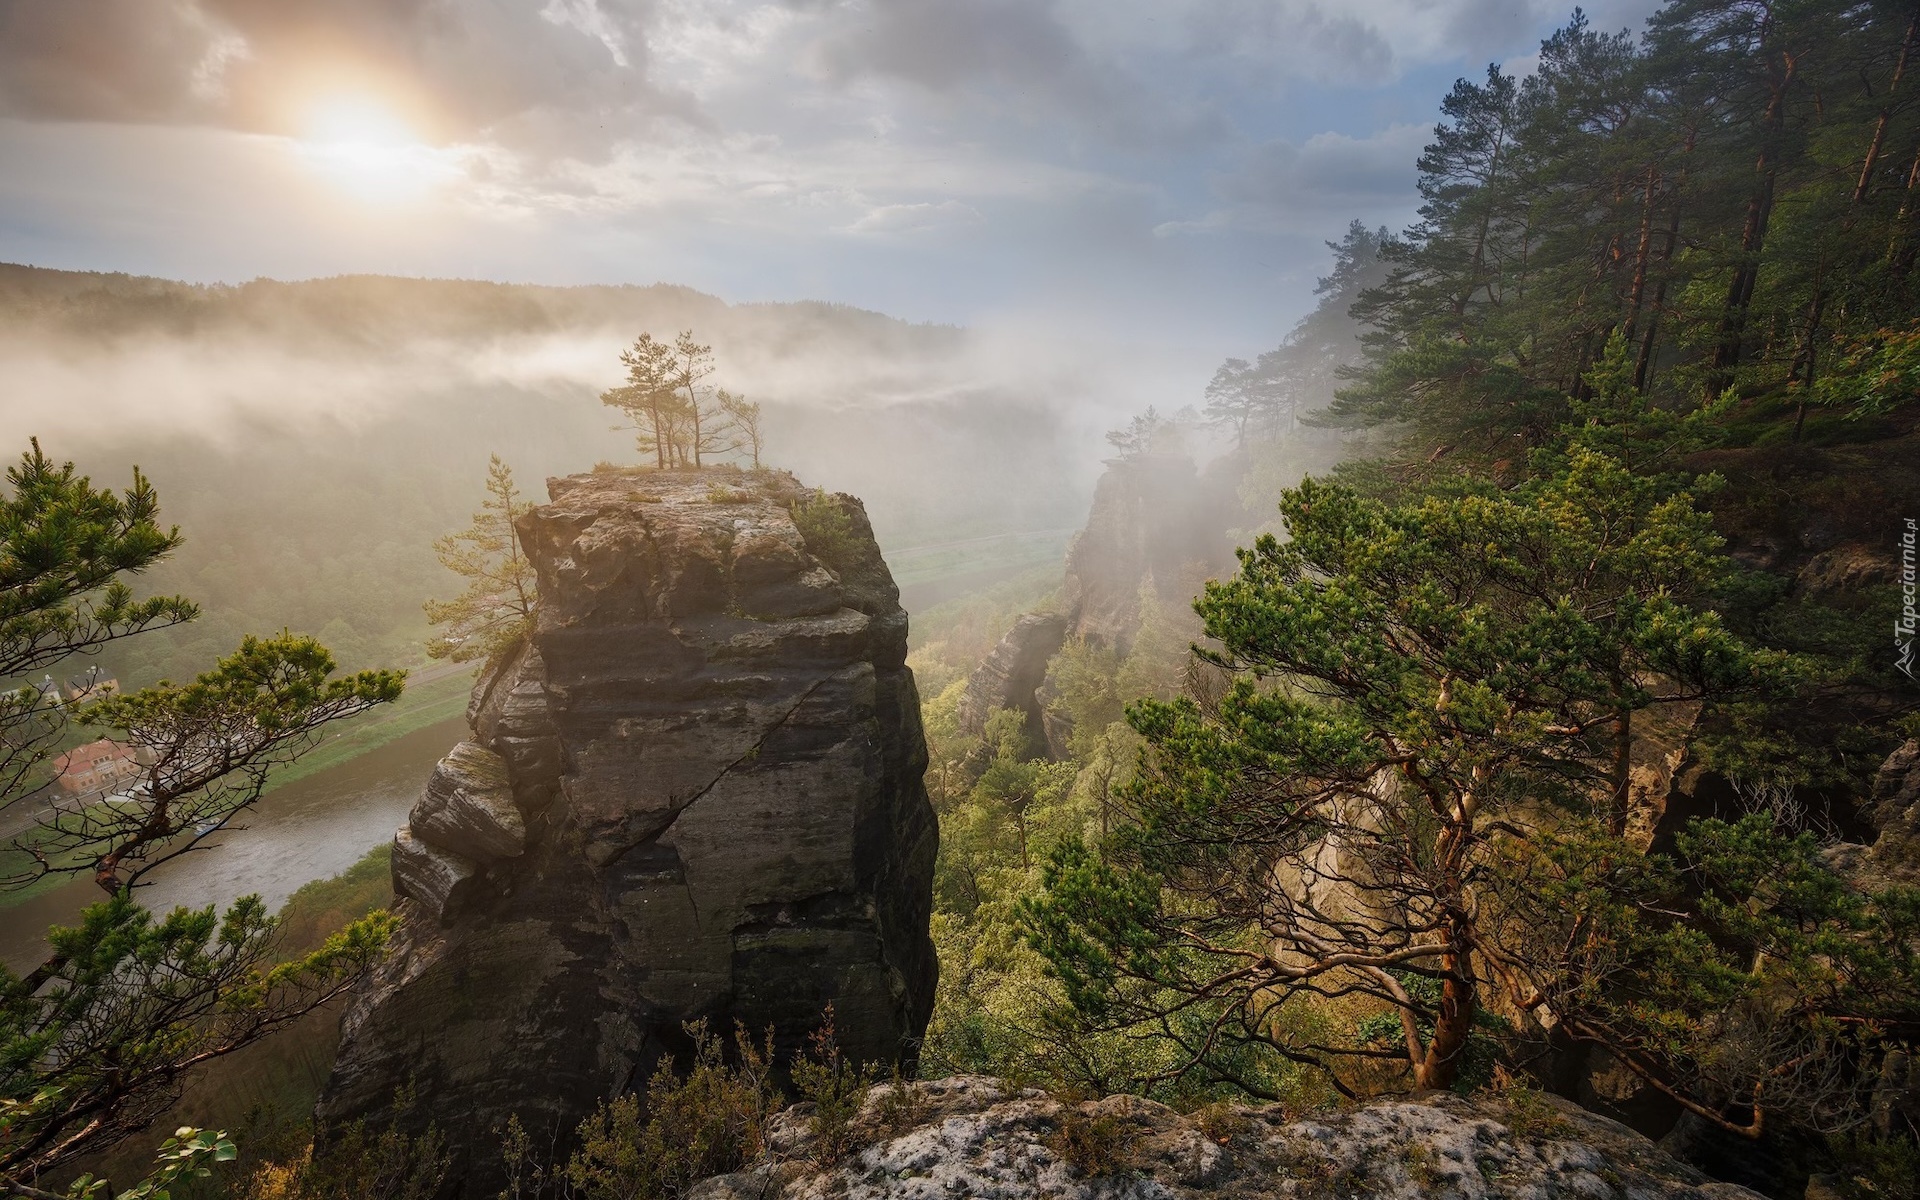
<point>649,398</point>
<point>1415,792</point>
<point>495,611</point>
<point>743,419</point>
<point>96,1039</point>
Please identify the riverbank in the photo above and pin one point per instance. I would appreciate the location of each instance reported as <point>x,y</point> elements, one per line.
<point>309,828</point>
<point>435,695</point>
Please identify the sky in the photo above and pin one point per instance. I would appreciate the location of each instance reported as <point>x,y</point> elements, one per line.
<point>1132,172</point>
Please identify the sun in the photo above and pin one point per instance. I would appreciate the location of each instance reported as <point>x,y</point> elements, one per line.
<point>366,148</point>
<point>353,120</point>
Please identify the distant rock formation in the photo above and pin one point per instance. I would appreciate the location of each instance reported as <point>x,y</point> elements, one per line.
<point>1155,518</point>
<point>1157,522</point>
<point>1892,814</point>
<point>1012,674</point>
<point>695,794</point>
<point>971,1136</point>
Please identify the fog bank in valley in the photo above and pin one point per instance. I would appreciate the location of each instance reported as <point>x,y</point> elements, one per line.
<point>312,438</point>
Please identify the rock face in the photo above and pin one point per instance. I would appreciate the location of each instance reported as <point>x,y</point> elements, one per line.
<point>1155,518</point>
<point>1013,673</point>
<point>1895,813</point>
<point>1156,523</point>
<point>974,1137</point>
<point>695,794</point>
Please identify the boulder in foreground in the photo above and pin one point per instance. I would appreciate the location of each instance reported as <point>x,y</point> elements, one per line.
<point>970,1136</point>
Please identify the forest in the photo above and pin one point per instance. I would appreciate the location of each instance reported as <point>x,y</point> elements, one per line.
<point>1497,688</point>
<point>1619,406</point>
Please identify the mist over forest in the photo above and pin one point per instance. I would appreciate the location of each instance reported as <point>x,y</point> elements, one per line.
<point>356,416</point>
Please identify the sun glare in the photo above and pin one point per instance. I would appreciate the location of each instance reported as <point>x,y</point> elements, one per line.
<point>365,148</point>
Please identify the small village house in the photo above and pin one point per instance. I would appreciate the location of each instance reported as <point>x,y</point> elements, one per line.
<point>98,766</point>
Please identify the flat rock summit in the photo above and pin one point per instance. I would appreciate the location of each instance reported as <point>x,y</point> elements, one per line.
<point>693,793</point>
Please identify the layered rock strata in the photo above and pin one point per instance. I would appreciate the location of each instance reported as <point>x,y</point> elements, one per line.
<point>694,794</point>
<point>1012,674</point>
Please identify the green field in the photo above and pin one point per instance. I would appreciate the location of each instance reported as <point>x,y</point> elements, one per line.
<point>921,564</point>
<point>423,704</point>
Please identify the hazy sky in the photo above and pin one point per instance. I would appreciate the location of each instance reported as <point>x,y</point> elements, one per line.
<point>1133,168</point>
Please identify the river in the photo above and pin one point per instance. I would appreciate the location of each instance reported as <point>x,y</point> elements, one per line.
<point>312,828</point>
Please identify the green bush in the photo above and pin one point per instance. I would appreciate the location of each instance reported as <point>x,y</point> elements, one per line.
<point>1868,1166</point>
<point>826,528</point>
<point>710,1122</point>
<point>837,1087</point>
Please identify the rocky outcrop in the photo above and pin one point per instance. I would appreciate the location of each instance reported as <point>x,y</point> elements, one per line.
<point>1013,673</point>
<point>468,807</point>
<point>974,1137</point>
<point>696,794</point>
<point>1892,815</point>
<point>1158,527</point>
<point>1156,520</point>
<point>1894,812</point>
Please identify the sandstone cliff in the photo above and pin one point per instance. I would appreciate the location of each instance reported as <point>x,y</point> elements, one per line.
<point>1012,674</point>
<point>695,794</point>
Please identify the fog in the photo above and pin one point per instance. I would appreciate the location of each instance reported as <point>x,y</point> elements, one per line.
<point>101,365</point>
<point>311,439</point>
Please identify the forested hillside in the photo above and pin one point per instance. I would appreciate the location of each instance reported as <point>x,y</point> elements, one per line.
<point>1543,746</point>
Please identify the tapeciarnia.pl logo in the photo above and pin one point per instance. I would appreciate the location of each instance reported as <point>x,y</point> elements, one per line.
<point>1903,625</point>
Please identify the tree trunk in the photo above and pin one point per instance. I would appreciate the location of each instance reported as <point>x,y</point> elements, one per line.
<point>1753,236</point>
<point>1643,254</point>
<point>1486,228</point>
<point>1864,185</point>
<point>1809,349</point>
<point>1617,813</point>
<point>1900,250</point>
<point>1453,1024</point>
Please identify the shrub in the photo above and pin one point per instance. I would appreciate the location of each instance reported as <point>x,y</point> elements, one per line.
<point>1870,1166</point>
<point>1529,1115</point>
<point>901,1106</point>
<point>826,528</point>
<point>711,1122</point>
<point>1221,1122</point>
<point>388,1165</point>
<point>1094,1146</point>
<point>837,1087</point>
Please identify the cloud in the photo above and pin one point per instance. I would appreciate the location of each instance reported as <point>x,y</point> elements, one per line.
<point>917,218</point>
<point>589,18</point>
<point>560,78</point>
<point>942,159</point>
<point>1304,38</point>
<point>1013,58</point>
<point>1485,27</point>
<point>1283,187</point>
